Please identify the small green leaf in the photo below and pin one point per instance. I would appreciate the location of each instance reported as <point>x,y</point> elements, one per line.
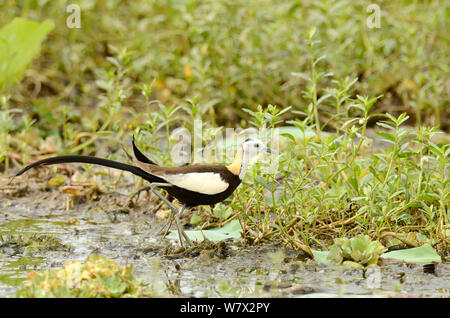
<point>288,135</point>
<point>262,182</point>
<point>222,211</point>
<point>386,135</point>
<point>304,76</point>
<point>352,264</point>
<point>352,180</point>
<point>57,181</point>
<point>195,219</point>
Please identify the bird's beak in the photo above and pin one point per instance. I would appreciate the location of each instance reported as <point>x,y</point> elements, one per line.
<point>271,150</point>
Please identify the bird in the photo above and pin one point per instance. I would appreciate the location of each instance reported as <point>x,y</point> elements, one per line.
<point>191,185</point>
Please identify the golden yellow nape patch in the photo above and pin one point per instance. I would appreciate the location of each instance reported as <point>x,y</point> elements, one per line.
<point>235,167</point>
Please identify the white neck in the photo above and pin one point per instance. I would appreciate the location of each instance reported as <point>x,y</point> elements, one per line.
<point>244,164</point>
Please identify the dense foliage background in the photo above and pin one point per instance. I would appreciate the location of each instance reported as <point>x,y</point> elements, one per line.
<point>234,54</point>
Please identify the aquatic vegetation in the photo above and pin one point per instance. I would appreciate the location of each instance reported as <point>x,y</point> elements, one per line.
<point>28,244</point>
<point>419,255</point>
<point>232,229</point>
<point>97,277</point>
<point>358,251</point>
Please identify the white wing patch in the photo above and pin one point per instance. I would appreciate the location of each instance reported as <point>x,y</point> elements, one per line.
<point>202,182</point>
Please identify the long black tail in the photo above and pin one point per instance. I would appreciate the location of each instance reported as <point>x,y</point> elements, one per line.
<point>97,161</point>
<point>139,155</point>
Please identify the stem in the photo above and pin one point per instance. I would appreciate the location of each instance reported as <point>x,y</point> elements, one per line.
<point>392,158</point>
<point>314,98</point>
<point>314,88</point>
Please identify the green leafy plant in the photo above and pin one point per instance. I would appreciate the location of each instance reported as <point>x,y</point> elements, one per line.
<point>29,244</point>
<point>358,251</point>
<point>97,277</point>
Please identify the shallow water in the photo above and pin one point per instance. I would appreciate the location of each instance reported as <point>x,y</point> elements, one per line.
<point>263,271</point>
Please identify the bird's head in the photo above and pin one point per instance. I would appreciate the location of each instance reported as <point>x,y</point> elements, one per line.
<point>252,147</point>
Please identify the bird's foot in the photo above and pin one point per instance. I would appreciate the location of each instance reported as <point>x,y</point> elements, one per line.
<point>181,233</point>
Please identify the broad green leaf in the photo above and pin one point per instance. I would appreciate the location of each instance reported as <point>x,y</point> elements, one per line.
<point>420,255</point>
<point>20,42</point>
<point>321,256</point>
<point>230,230</point>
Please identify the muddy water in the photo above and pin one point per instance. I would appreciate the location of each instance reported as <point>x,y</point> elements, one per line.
<point>128,237</point>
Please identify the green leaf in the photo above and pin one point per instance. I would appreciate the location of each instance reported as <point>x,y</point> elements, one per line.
<point>195,219</point>
<point>262,182</point>
<point>20,42</point>
<point>358,106</point>
<point>322,98</point>
<point>289,135</point>
<point>386,135</point>
<point>57,181</point>
<point>334,256</point>
<point>352,180</point>
<point>321,256</point>
<point>296,133</point>
<point>420,255</point>
<point>304,76</point>
<point>352,264</point>
<point>429,196</point>
<point>222,211</point>
<point>348,122</point>
<point>386,125</point>
<point>230,230</point>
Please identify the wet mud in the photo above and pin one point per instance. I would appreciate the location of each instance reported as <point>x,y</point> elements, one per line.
<point>42,227</point>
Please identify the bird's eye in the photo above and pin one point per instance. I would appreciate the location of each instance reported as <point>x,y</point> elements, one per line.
<point>257,145</point>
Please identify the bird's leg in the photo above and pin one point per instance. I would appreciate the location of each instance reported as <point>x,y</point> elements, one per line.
<point>180,228</point>
<point>181,232</point>
<point>166,226</point>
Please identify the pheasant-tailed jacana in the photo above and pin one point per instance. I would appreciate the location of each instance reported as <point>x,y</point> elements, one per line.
<point>191,185</point>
